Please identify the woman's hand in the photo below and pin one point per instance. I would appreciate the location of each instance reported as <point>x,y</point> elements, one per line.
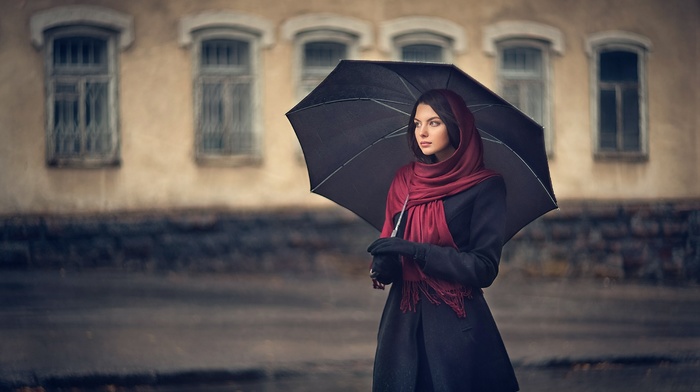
<point>399,246</point>
<point>385,268</point>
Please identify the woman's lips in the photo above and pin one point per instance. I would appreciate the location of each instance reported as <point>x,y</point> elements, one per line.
<point>425,144</point>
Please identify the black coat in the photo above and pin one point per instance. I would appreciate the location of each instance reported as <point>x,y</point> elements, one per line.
<point>432,344</point>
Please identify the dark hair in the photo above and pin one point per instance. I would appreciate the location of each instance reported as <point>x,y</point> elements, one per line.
<point>438,101</point>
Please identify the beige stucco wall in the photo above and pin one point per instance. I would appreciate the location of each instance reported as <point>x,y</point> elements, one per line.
<point>158,169</point>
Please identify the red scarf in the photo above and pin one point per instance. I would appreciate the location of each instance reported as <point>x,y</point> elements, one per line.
<point>426,186</point>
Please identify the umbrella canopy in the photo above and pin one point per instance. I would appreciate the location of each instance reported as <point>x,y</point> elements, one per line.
<point>352,131</point>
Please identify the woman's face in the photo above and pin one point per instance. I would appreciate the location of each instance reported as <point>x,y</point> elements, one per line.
<point>431,133</point>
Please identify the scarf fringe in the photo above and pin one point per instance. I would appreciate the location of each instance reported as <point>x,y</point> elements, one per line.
<point>454,298</point>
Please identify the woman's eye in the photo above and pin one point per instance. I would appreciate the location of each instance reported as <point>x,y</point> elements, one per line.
<point>435,123</point>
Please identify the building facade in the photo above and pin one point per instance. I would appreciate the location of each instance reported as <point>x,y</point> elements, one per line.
<point>114,108</point>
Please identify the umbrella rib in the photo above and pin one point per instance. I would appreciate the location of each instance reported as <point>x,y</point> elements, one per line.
<point>476,108</point>
<point>388,106</point>
<point>404,82</point>
<point>392,134</point>
<point>494,139</point>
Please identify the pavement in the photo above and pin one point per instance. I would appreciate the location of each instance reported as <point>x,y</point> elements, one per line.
<point>87,329</point>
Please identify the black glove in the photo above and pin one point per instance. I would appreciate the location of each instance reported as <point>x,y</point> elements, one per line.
<point>393,245</point>
<point>385,268</point>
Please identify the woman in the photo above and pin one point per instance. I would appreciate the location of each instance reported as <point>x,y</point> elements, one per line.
<point>437,332</point>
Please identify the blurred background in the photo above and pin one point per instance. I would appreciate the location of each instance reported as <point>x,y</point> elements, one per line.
<point>150,136</point>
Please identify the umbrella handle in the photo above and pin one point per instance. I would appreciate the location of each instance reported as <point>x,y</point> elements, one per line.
<point>403,209</point>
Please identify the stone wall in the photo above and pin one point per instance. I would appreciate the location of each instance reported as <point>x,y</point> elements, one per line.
<point>632,241</point>
<point>657,242</point>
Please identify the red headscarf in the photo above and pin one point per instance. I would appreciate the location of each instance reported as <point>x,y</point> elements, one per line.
<point>426,185</point>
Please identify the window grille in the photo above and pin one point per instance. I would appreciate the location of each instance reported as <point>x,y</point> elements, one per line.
<point>319,59</point>
<point>422,53</point>
<point>226,106</point>
<point>81,126</point>
<point>523,80</point>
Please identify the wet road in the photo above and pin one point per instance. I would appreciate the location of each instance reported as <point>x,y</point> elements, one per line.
<point>152,333</point>
<point>656,377</point>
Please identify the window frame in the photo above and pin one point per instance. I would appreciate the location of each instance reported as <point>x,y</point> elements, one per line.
<point>545,49</point>
<point>82,159</point>
<point>254,155</point>
<point>596,49</point>
<point>530,33</point>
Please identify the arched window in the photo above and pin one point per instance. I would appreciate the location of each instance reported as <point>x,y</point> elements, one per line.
<point>319,53</point>
<point>80,45</point>
<point>619,101</point>
<point>320,42</point>
<point>523,53</point>
<point>225,53</point>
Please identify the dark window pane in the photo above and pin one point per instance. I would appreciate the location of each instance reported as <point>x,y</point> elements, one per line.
<point>324,54</point>
<point>534,101</point>
<point>522,60</point>
<point>66,131</point>
<point>212,117</point>
<point>511,93</point>
<point>608,120</point>
<point>225,53</point>
<point>618,66</point>
<point>241,135</point>
<point>79,52</point>
<point>523,81</point>
<point>422,53</point>
<point>97,134</point>
<point>630,120</point>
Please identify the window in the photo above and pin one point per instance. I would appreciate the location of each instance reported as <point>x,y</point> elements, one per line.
<point>225,55</point>
<point>618,86</point>
<point>524,52</point>
<point>224,86</point>
<point>320,42</point>
<point>619,99</point>
<point>522,78</point>
<point>81,126</point>
<point>319,58</point>
<point>422,39</point>
<point>80,45</point>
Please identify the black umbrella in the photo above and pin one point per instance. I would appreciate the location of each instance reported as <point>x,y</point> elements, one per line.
<point>352,130</point>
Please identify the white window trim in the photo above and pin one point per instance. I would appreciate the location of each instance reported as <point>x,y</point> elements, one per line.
<point>631,42</point>
<point>82,15</point>
<point>193,29</point>
<point>234,21</point>
<point>505,30</point>
<point>329,22</point>
<point>422,29</point>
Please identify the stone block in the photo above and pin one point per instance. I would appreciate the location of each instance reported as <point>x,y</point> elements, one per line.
<point>14,255</point>
<point>21,228</point>
<point>59,228</point>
